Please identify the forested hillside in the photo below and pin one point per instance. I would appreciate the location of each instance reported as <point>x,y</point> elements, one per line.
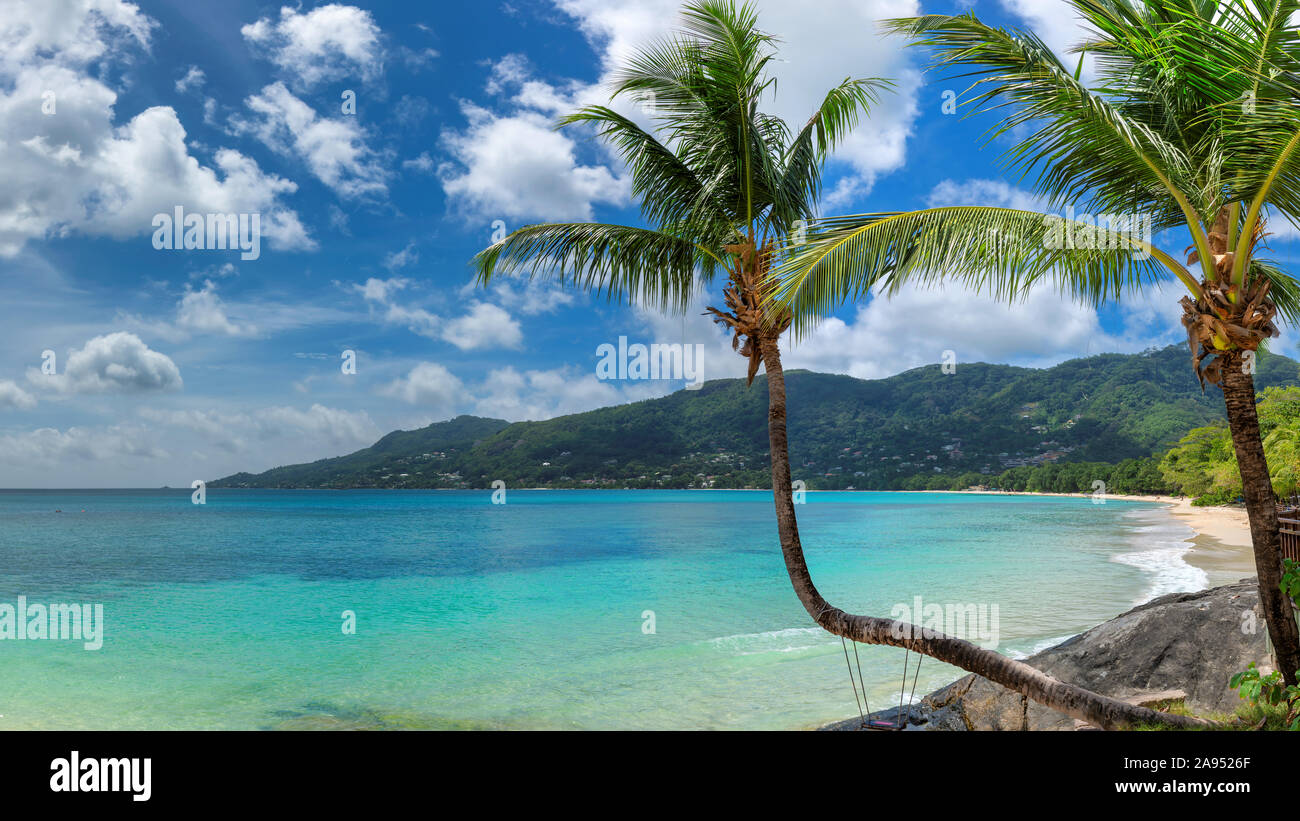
<point>918,428</point>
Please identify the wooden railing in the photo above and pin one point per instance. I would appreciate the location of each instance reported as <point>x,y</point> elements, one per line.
<point>1288,519</point>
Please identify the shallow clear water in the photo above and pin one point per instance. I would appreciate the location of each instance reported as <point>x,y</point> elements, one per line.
<point>530,614</point>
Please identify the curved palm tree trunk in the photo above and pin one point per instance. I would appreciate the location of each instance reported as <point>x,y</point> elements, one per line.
<point>1098,710</point>
<point>1261,506</point>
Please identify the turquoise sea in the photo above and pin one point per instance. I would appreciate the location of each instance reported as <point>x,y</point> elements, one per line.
<point>530,614</point>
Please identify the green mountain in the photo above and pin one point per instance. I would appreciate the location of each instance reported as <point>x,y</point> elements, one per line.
<point>844,432</point>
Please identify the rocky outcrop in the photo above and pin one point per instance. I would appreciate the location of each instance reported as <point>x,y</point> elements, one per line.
<point>1183,645</point>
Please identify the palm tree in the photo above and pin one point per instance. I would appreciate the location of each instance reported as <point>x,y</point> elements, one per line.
<point>723,190</point>
<point>1192,123</point>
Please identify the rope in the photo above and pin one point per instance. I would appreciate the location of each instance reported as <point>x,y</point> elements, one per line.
<point>860,701</point>
<point>862,717</point>
<point>906,656</point>
<point>915,676</point>
<point>861,680</point>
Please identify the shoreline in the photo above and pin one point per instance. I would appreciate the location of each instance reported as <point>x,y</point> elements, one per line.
<point>1221,545</point>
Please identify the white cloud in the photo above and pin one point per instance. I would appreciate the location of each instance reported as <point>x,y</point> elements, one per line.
<point>417,320</point>
<point>510,164</point>
<point>76,32</point>
<point>380,290</point>
<point>417,59</point>
<point>1059,26</point>
<point>401,259</point>
<point>222,271</point>
<point>484,326</point>
<point>815,55</point>
<point>542,394</point>
<point>194,78</point>
<point>241,432</point>
<point>525,295</point>
<point>915,327</point>
<point>993,193</point>
<point>55,448</point>
<point>113,363</point>
<point>422,163</point>
<point>177,445</point>
<point>338,427</point>
<point>514,395</point>
<point>516,166</point>
<point>429,385</point>
<point>12,396</point>
<point>202,311</point>
<point>72,169</point>
<point>327,43</point>
<point>334,149</point>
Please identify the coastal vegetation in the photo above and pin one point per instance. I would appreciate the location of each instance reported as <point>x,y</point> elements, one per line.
<point>1203,463</point>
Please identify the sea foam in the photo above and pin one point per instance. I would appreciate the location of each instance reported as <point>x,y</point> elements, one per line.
<point>1164,544</point>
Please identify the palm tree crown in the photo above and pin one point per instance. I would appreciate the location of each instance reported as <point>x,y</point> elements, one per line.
<point>1191,124</point>
<point>720,183</point>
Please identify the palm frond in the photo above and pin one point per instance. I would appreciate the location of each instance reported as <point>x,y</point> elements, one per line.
<point>1001,252</point>
<point>801,178</point>
<point>652,268</point>
<point>1077,142</point>
<point>668,190</point>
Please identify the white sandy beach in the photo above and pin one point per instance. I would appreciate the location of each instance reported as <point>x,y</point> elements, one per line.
<point>1222,546</point>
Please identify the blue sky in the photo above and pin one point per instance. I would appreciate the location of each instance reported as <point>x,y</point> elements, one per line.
<point>174,365</point>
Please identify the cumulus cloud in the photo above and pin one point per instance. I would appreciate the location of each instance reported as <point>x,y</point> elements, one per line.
<point>113,363</point>
<point>510,164</point>
<point>56,448</point>
<point>202,311</point>
<point>484,326</point>
<point>429,385</point>
<point>77,31</point>
<point>993,193</point>
<point>380,290</point>
<point>13,396</point>
<point>914,327</point>
<point>74,169</point>
<point>541,394</point>
<point>515,395</point>
<point>334,149</point>
<point>527,296</point>
<point>516,166</point>
<point>326,43</point>
<point>194,78</point>
<point>174,446</point>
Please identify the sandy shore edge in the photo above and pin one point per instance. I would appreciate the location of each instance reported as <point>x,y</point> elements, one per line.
<point>1221,546</point>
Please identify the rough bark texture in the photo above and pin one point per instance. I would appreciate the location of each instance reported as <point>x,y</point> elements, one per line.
<point>1100,711</point>
<point>1257,489</point>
